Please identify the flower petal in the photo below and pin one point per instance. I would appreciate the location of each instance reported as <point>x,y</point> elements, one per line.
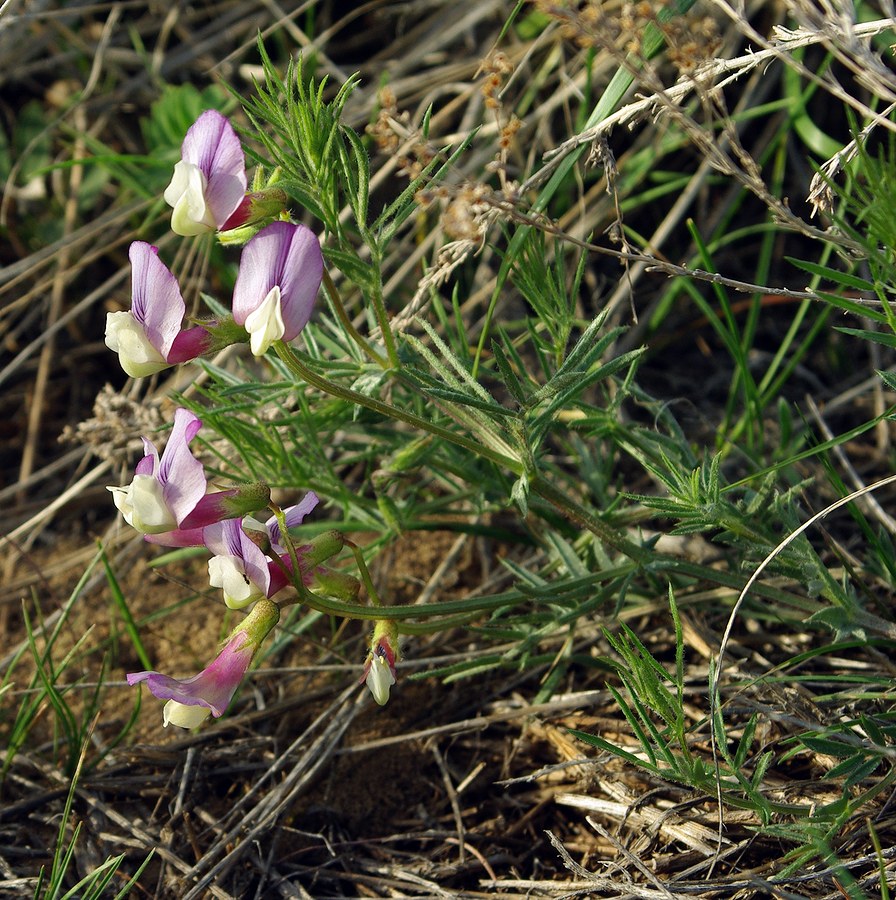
<point>265,323</point>
<point>228,541</point>
<point>379,679</point>
<point>228,573</point>
<point>149,465</point>
<point>294,516</point>
<point>212,145</point>
<point>213,687</point>
<point>127,337</point>
<point>182,475</point>
<point>258,272</point>
<point>300,279</point>
<point>379,670</point>
<point>281,255</point>
<point>192,214</point>
<point>156,301</point>
<point>143,506</point>
<point>177,537</point>
<point>183,716</point>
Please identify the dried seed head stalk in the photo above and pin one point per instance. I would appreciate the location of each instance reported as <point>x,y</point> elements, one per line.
<point>497,68</point>
<point>691,41</point>
<point>394,137</point>
<point>382,130</point>
<point>113,432</point>
<point>469,213</point>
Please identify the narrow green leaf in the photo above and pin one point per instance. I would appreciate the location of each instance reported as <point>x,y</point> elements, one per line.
<point>508,376</point>
<point>829,747</point>
<point>602,744</point>
<point>834,275</point>
<point>124,611</point>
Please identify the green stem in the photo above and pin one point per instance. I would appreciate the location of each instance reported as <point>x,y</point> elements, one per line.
<point>449,611</point>
<point>608,535</point>
<point>382,317</point>
<point>342,314</point>
<point>570,508</point>
<point>434,627</point>
<point>445,613</point>
<point>365,574</point>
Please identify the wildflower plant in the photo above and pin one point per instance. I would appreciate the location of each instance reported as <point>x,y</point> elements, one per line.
<point>344,362</point>
<point>281,269</point>
<point>434,326</point>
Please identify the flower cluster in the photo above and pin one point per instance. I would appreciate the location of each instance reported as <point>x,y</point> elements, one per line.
<point>279,274</point>
<point>169,500</point>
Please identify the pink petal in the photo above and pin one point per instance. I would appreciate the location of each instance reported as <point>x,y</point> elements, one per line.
<point>180,537</point>
<point>213,687</point>
<point>156,301</point>
<point>280,573</point>
<point>286,255</point>
<point>256,274</point>
<point>181,475</point>
<point>150,462</point>
<point>303,269</point>
<point>213,146</point>
<point>294,516</point>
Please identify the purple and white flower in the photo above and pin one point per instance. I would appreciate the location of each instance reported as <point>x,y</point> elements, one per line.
<point>164,491</point>
<point>279,276</point>
<point>191,700</point>
<point>209,182</point>
<point>239,566</point>
<point>149,337</point>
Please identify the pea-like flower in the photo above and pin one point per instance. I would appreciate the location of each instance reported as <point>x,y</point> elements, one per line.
<point>166,489</point>
<point>278,280</point>
<point>191,700</point>
<point>149,337</point>
<point>294,515</point>
<point>379,670</point>
<point>209,182</point>
<point>239,566</point>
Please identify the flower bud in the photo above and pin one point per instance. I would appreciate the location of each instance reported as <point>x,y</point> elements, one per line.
<point>338,585</point>
<point>379,670</point>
